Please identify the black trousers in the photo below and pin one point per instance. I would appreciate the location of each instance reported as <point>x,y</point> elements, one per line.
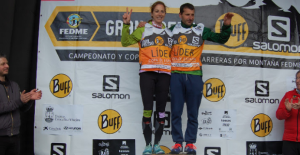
<point>290,148</point>
<point>10,145</point>
<point>152,83</point>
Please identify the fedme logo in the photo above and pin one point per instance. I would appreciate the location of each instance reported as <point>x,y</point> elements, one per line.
<point>111,83</point>
<point>279,28</point>
<point>262,88</point>
<point>212,151</point>
<point>58,149</point>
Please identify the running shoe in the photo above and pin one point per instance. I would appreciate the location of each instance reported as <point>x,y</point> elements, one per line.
<point>190,148</point>
<point>176,149</point>
<point>157,149</point>
<point>148,150</point>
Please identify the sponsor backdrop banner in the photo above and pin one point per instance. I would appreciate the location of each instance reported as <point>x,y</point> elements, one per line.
<point>91,98</point>
<point>59,121</point>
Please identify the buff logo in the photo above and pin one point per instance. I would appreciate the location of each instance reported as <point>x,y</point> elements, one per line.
<point>214,89</point>
<point>261,125</point>
<point>182,39</point>
<point>110,121</point>
<point>61,85</point>
<point>159,40</point>
<point>239,30</point>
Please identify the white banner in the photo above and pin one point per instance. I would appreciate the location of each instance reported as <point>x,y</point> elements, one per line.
<point>62,119</point>
<point>85,74</point>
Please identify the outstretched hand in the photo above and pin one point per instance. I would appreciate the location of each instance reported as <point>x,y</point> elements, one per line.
<point>35,94</point>
<point>227,18</point>
<point>126,16</point>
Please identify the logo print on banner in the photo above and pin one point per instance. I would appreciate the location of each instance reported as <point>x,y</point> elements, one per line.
<point>279,31</point>
<point>111,83</point>
<point>49,114</point>
<point>104,151</point>
<point>124,148</point>
<point>261,125</point>
<point>103,144</point>
<point>206,113</point>
<point>58,149</point>
<point>74,20</point>
<point>61,85</point>
<point>182,39</point>
<point>206,121</point>
<point>239,32</point>
<point>262,93</point>
<point>212,151</point>
<point>262,88</point>
<point>109,121</point>
<point>159,40</point>
<point>279,28</point>
<point>253,149</point>
<point>214,89</point>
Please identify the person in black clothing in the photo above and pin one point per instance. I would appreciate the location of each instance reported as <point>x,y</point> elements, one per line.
<point>11,100</point>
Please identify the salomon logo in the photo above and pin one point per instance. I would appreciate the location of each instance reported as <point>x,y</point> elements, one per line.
<point>261,88</point>
<point>279,28</point>
<point>111,83</point>
<point>58,149</point>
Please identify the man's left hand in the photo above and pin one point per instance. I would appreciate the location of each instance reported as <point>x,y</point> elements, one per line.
<point>227,18</point>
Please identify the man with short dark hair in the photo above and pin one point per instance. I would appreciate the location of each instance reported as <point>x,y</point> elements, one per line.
<point>11,100</point>
<point>186,79</point>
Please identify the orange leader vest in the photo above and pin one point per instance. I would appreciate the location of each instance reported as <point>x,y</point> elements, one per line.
<point>155,47</point>
<point>187,48</point>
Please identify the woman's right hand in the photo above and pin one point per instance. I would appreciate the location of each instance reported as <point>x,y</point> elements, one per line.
<point>142,24</point>
<point>126,16</point>
<point>288,104</point>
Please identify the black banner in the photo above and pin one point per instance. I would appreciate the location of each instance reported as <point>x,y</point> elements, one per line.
<point>114,147</point>
<point>206,58</point>
<point>266,147</point>
<point>250,61</point>
<point>267,24</point>
<point>98,55</point>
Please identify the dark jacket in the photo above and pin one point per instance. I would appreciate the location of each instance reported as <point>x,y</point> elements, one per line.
<point>291,118</point>
<point>10,104</point>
